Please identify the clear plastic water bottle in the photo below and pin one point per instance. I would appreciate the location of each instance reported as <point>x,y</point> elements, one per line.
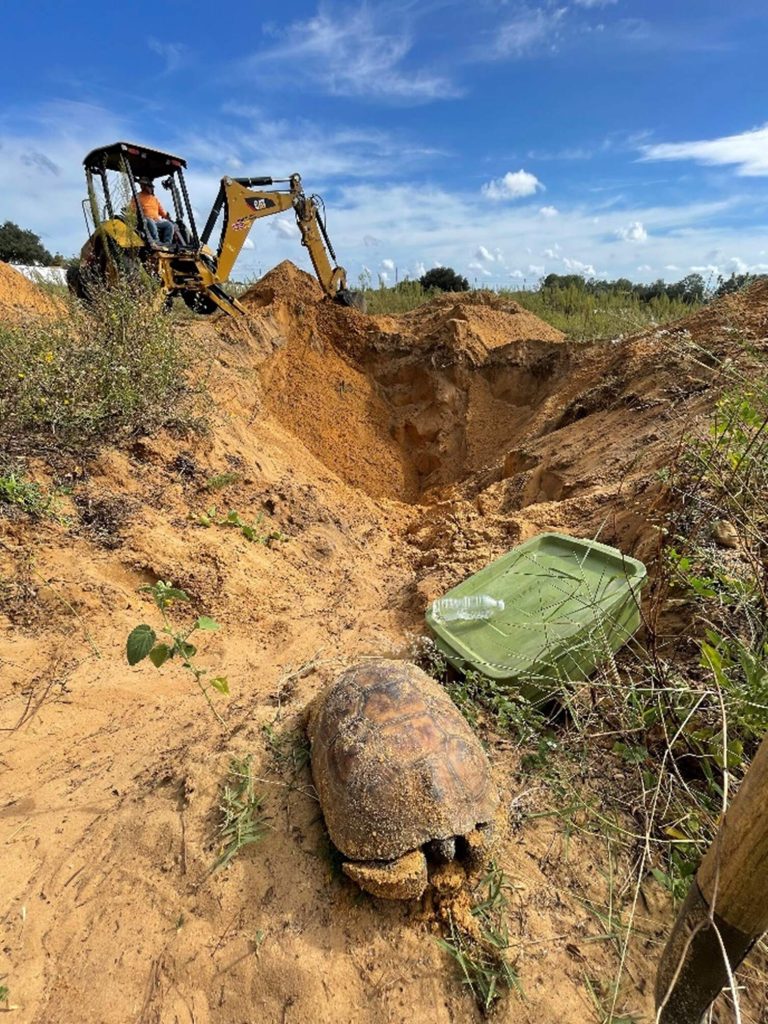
<point>464,609</point>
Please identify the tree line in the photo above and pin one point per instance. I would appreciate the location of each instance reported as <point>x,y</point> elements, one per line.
<point>691,290</point>
<point>18,245</point>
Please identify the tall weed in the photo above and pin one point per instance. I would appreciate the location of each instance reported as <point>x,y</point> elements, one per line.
<point>92,374</point>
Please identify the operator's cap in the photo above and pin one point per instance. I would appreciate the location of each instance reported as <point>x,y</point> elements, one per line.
<point>144,180</point>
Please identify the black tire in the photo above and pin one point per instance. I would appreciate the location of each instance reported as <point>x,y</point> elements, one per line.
<point>76,284</point>
<point>199,302</point>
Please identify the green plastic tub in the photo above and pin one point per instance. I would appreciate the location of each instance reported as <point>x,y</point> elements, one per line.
<point>569,604</point>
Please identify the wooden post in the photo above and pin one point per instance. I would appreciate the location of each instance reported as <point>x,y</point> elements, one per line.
<point>732,880</point>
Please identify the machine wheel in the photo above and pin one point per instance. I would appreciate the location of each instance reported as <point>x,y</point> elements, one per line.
<point>199,302</point>
<point>76,283</point>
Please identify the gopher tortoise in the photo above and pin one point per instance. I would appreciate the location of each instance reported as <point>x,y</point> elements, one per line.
<point>401,777</point>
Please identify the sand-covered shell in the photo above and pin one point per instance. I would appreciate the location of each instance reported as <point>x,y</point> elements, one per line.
<point>394,762</point>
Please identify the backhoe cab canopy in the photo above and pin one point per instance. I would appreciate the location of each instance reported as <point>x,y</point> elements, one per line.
<point>133,162</point>
<point>143,162</point>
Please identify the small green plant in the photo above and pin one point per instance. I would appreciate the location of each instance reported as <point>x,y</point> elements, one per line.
<point>481,953</point>
<point>4,994</point>
<point>243,821</point>
<point>221,480</point>
<point>482,700</point>
<point>289,749</point>
<point>24,495</point>
<point>143,642</point>
<point>251,531</point>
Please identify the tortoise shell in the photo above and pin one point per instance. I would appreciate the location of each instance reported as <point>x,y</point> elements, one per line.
<point>394,763</point>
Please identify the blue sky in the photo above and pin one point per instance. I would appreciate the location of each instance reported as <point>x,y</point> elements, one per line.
<point>504,139</point>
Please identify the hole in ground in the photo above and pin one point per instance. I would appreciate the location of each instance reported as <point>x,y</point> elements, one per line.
<point>401,423</point>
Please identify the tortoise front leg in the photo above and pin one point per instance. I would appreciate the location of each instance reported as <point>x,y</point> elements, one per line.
<point>402,879</point>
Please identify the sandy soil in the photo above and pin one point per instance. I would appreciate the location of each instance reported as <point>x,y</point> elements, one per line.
<point>398,455</point>
<point>20,297</point>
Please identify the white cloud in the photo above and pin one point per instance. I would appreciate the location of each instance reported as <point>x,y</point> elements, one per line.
<point>738,265</point>
<point>644,268</point>
<point>479,268</point>
<point>580,268</point>
<point>748,151</point>
<point>530,29</point>
<point>484,256</point>
<point>548,211</point>
<point>635,232</point>
<point>534,268</point>
<point>362,53</point>
<point>553,253</point>
<point>174,54</point>
<point>517,274</point>
<point>512,186</point>
<point>387,266</point>
<point>671,266</point>
<point>285,228</point>
<point>594,3</point>
<point>420,269</point>
<point>317,150</point>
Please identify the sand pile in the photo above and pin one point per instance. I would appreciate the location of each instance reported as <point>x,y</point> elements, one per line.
<point>19,296</point>
<point>477,316</point>
<point>284,283</point>
<point>742,315</point>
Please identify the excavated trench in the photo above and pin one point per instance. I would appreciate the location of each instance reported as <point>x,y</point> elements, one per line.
<point>473,398</point>
<point>456,419</point>
<point>403,409</point>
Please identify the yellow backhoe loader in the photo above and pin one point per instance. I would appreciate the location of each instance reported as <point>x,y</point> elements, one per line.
<point>120,241</point>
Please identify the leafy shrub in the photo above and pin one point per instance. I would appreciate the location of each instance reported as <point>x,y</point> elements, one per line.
<point>91,375</point>
<point>444,278</point>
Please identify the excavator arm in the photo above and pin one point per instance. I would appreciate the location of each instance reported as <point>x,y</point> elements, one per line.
<point>243,202</point>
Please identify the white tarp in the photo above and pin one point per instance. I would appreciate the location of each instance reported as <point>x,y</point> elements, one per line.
<point>48,275</point>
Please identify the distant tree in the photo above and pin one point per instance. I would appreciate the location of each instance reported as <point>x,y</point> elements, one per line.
<point>445,279</point>
<point>694,287</point>
<point>734,283</point>
<point>20,246</point>
<point>564,281</point>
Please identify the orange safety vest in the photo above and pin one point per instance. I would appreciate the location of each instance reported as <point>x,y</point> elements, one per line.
<point>150,207</point>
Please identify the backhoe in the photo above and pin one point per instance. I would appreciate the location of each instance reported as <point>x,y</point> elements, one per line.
<point>120,243</point>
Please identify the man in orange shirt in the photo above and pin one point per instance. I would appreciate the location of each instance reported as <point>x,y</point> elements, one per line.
<point>160,229</point>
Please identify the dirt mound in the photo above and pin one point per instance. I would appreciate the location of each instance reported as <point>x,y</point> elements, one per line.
<point>286,283</point>
<point>740,316</point>
<point>20,297</point>
<point>477,317</point>
<point>469,390</point>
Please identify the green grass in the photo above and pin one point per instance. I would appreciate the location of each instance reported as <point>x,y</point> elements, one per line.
<point>579,313</point>
<point>219,481</point>
<point>582,316</point>
<point>243,821</point>
<point>482,955</point>
<point>94,375</point>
